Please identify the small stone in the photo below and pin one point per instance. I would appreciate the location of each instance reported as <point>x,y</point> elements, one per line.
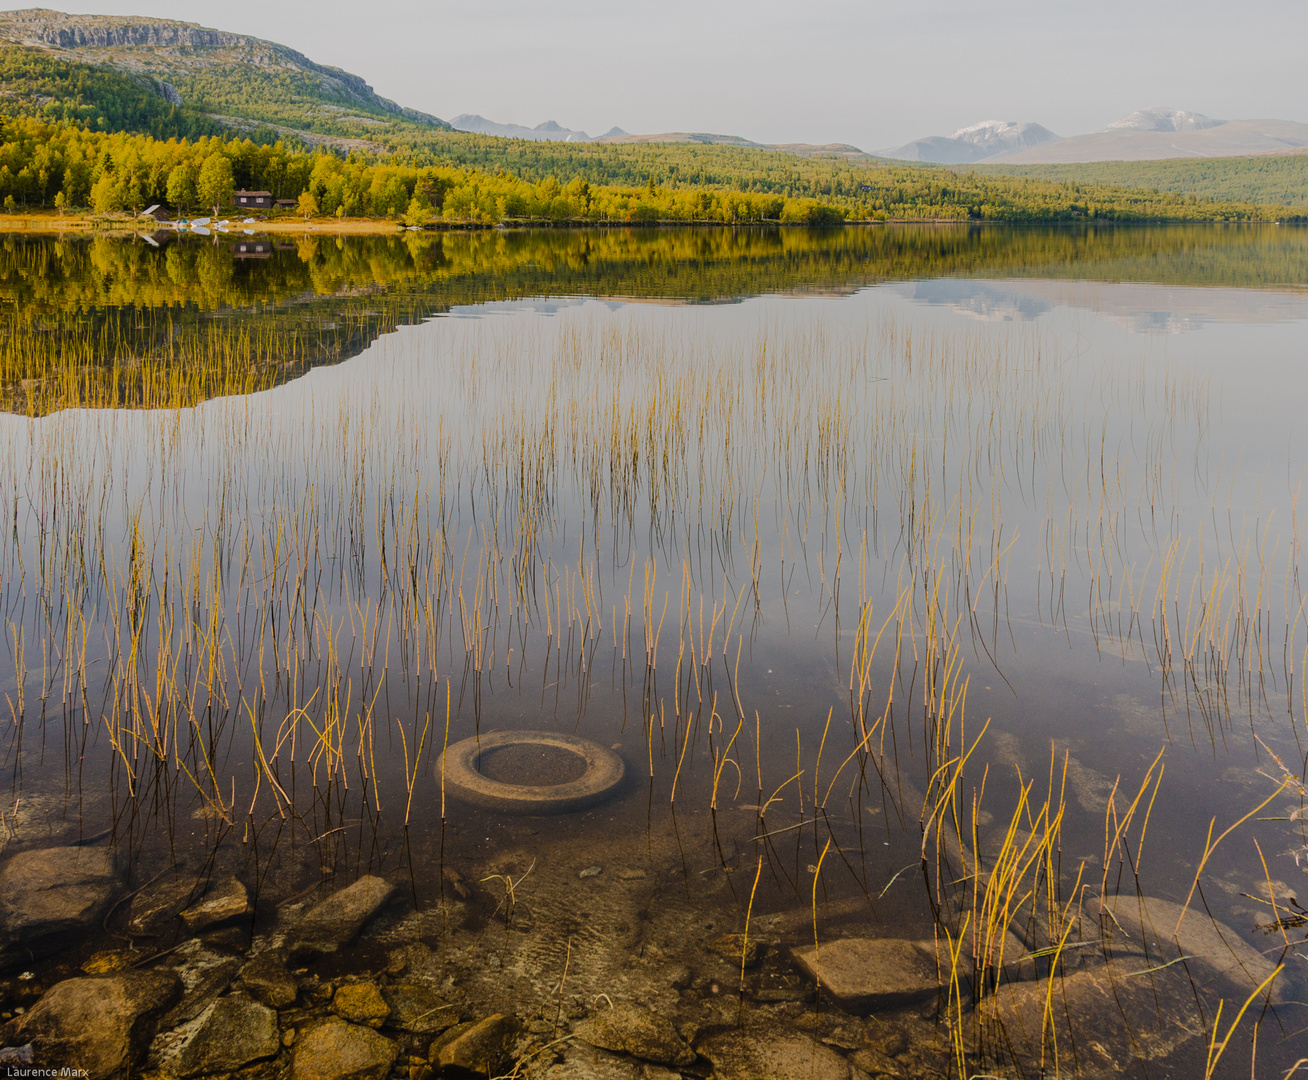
<point>418,1009</point>
<point>266,979</point>
<point>751,1054</point>
<point>875,1063</point>
<point>461,886</point>
<point>483,1047</point>
<point>233,1032</point>
<point>893,1044</point>
<point>336,1050</point>
<point>226,899</point>
<point>107,961</point>
<point>340,918</point>
<point>632,1029</point>
<point>361,1003</point>
<point>737,947</point>
<point>631,875</point>
<point>154,908</point>
<point>51,894</point>
<point>288,1037</point>
<point>591,871</point>
<point>100,1025</point>
<point>229,939</point>
<point>863,974</point>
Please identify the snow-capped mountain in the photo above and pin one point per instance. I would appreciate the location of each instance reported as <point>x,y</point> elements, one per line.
<point>974,143</point>
<point>1163,118</point>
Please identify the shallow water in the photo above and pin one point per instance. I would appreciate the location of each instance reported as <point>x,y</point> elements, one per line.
<point>785,518</point>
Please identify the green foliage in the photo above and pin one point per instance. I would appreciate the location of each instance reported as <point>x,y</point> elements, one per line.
<point>37,84</point>
<point>1264,178</point>
<point>181,190</point>
<point>728,185</point>
<point>864,191</point>
<point>217,182</point>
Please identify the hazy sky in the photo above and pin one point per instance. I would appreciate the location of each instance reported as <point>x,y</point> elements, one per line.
<point>870,73</point>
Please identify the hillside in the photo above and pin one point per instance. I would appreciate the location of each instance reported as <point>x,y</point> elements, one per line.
<point>1263,178</point>
<point>40,84</point>
<point>240,81</point>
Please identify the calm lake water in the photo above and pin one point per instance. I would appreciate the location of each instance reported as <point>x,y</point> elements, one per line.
<point>857,545</point>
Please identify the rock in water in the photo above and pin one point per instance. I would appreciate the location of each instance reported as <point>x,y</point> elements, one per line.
<point>1100,1022</point>
<point>155,907</point>
<point>863,974</point>
<point>226,899</point>
<point>756,1053</point>
<point>361,1003</point>
<point>482,1048</point>
<point>234,1032</point>
<point>339,919</point>
<point>266,979</point>
<point>335,1050</point>
<point>100,1025</point>
<point>418,1009</point>
<point>632,1029</point>
<point>50,894</point>
<point>1150,923</point>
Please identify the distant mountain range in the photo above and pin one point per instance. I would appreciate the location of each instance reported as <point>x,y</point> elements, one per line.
<point>1144,135</point>
<point>548,131</point>
<point>552,131</point>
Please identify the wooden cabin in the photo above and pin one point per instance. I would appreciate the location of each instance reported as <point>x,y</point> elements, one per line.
<point>253,200</point>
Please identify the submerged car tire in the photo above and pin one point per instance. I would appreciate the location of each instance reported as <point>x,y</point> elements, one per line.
<point>457,770</point>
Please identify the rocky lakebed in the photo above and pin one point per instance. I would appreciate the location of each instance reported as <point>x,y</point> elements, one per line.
<point>616,959</point>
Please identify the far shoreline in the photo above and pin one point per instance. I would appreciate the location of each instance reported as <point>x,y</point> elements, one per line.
<point>55,222</point>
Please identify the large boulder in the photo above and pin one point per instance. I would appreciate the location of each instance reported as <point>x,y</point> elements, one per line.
<point>49,895</point>
<point>632,1029</point>
<point>102,1026</point>
<point>1098,1019</point>
<point>233,1032</point>
<point>340,918</point>
<point>335,1050</point>
<point>863,974</point>
<point>1149,926</point>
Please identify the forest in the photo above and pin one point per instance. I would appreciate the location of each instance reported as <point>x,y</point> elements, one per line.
<point>1262,178</point>
<point>68,166</point>
<point>94,97</point>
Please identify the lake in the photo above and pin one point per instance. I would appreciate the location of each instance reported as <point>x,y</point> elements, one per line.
<point>938,589</point>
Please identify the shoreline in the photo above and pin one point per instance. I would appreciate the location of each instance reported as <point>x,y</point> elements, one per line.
<point>49,222</point>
